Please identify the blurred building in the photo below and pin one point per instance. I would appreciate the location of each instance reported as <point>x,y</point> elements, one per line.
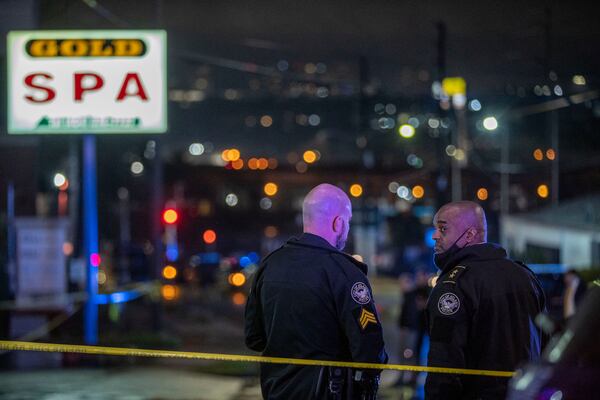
<point>568,234</point>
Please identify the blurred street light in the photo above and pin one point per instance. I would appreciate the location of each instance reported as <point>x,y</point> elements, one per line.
<point>209,236</point>
<point>406,131</point>
<point>482,194</point>
<point>490,123</point>
<point>169,272</point>
<point>196,149</point>
<point>170,216</point>
<point>309,156</point>
<point>137,168</point>
<point>271,189</point>
<point>169,292</point>
<point>59,180</point>
<point>418,191</point>
<point>543,191</point>
<point>356,190</point>
<point>231,199</point>
<point>237,279</point>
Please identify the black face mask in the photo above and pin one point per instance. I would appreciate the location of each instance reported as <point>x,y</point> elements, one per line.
<point>440,259</point>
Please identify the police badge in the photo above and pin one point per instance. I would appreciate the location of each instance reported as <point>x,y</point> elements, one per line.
<point>360,293</point>
<point>448,304</point>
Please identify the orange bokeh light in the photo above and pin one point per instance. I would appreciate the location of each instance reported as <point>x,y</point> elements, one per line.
<point>237,279</point>
<point>356,190</point>
<point>209,236</point>
<point>271,189</point>
<point>239,299</point>
<point>271,231</point>
<point>309,156</point>
<point>237,164</point>
<point>482,194</point>
<point>253,163</point>
<point>169,292</point>
<point>233,155</point>
<point>169,272</point>
<point>263,163</point>
<point>418,191</point>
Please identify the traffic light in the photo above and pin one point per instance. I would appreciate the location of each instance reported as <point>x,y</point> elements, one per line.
<point>209,236</point>
<point>169,272</point>
<point>170,216</point>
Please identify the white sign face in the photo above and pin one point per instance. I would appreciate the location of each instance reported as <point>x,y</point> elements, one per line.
<point>41,263</point>
<point>87,82</point>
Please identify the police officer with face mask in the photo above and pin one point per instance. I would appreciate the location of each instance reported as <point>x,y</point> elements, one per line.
<point>481,312</point>
<point>310,300</point>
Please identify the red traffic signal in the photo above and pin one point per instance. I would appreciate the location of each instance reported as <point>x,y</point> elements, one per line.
<point>209,236</point>
<point>170,216</point>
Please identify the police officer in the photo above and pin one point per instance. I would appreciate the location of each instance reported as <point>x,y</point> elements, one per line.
<point>481,311</point>
<point>310,300</point>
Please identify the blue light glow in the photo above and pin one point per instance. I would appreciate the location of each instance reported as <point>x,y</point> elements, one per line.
<point>429,242</point>
<point>254,257</point>
<point>172,253</point>
<point>245,261</point>
<point>117,297</point>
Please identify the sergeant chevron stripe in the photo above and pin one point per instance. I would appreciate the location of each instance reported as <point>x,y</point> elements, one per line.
<point>366,317</point>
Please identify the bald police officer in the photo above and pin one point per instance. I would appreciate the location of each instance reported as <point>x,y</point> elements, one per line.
<point>481,311</point>
<point>310,300</point>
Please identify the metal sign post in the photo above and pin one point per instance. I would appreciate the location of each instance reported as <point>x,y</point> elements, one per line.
<point>90,238</point>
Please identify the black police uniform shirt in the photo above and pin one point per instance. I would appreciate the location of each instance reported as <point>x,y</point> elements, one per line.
<point>481,315</point>
<point>310,301</point>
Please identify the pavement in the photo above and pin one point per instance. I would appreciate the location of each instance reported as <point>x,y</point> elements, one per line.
<point>146,383</point>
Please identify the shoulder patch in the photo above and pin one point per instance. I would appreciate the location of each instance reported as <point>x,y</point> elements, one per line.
<point>448,303</point>
<point>366,319</point>
<point>360,293</point>
<point>453,275</point>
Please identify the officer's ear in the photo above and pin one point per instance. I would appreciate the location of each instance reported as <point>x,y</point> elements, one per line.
<point>337,224</point>
<point>471,235</point>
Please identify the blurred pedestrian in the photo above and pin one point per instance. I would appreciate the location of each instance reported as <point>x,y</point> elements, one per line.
<point>575,289</point>
<point>412,322</point>
<point>310,300</point>
<point>481,311</point>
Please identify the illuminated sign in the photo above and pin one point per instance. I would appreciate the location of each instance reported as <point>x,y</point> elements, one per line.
<point>87,82</point>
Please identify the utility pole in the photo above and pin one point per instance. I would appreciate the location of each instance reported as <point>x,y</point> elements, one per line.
<point>157,203</point>
<point>363,80</point>
<point>552,120</point>
<point>441,175</point>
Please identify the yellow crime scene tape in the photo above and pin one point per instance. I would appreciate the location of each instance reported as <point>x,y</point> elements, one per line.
<point>10,345</point>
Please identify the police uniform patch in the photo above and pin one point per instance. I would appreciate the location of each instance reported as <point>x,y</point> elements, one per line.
<point>360,293</point>
<point>366,318</point>
<point>448,304</point>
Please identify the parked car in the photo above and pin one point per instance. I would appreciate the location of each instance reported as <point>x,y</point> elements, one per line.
<point>570,365</point>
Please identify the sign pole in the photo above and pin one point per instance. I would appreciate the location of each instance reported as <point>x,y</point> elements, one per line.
<point>90,238</point>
